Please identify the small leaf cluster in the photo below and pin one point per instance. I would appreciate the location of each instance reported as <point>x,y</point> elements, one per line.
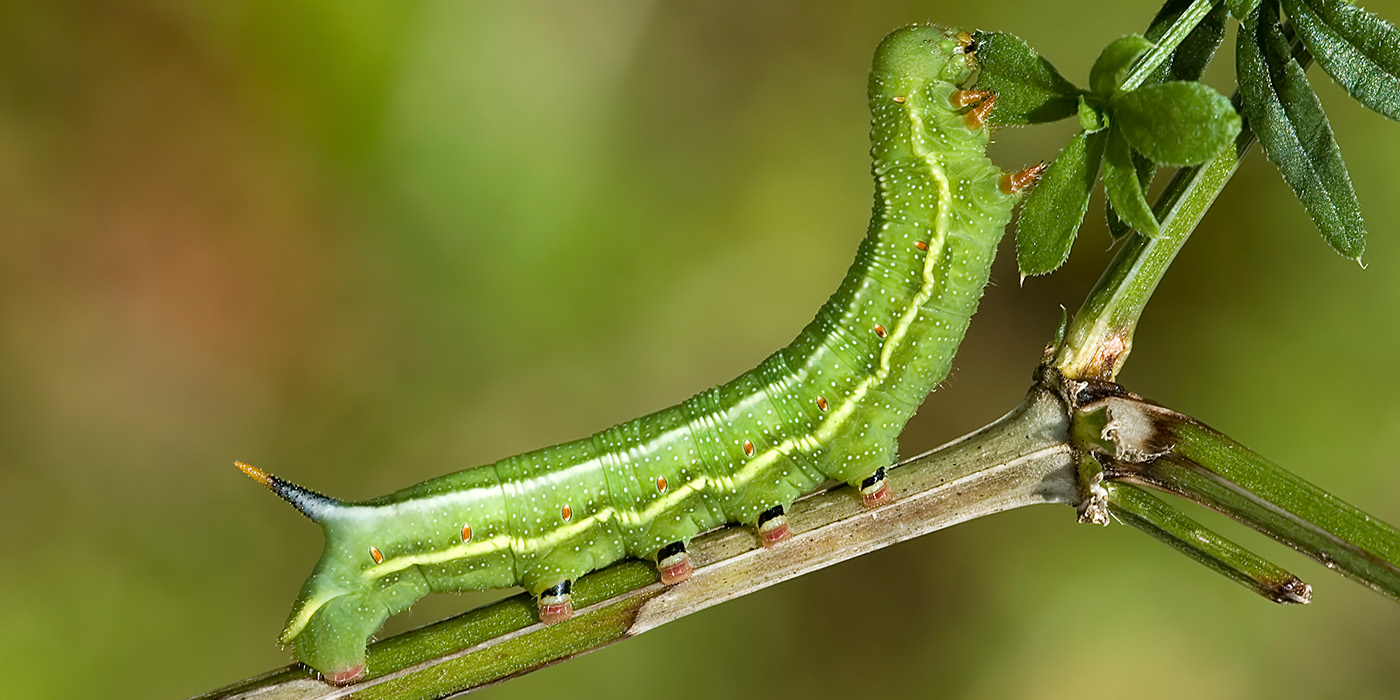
<point>1360,51</point>
<point>1135,121</point>
<point>1170,119</point>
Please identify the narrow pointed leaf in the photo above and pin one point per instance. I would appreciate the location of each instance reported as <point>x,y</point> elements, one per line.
<point>1120,182</point>
<point>1113,64</point>
<point>1055,209</point>
<point>1294,132</point>
<point>1242,9</point>
<point>1029,90</point>
<point>1358,49</point>
<point>1177,123</point>
<point>1117,227</point>
<point>1187,63</point>
<point>1199,47</point>
<point>1146,172</point>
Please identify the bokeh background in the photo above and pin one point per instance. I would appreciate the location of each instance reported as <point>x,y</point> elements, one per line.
<point>363,243</point>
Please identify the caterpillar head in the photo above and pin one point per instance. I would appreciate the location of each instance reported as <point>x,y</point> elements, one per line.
<point>928,51</point>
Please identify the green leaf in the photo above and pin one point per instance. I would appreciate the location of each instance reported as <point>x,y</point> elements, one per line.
<point>1146,172</point>
<point>1242,9</point>
<point>1029,90</point>
<point>1188,62</point>
<point>1358,49</point>
<point>1117,227</point>
<point>1177,123</point>
<point>1293,129</point>
<point>1091,116</point>
<point>1055,208</point>
<point>1195,52</point>
<point>1124,189</point>
<point>1115,61</point>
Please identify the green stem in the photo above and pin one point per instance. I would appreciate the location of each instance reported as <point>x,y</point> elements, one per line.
<point>1158,55</point>
<point>1143,443</point>
<point>1133,506</point>
<point>1220,473</point>
<point>1100,338</point>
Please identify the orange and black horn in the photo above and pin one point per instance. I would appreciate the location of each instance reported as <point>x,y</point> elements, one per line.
<point>311,504</point>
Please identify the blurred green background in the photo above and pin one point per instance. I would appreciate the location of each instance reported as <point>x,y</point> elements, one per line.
<point>362,244</point>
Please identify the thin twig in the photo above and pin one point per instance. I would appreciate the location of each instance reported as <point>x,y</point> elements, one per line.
<point>1150,445</point>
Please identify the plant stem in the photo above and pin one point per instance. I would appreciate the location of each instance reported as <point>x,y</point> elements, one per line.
<point>1133,506</point>
<point>1101,337</point>
<point>1124,440</point>
<point>1177,33</point>
<point>1021,459</point>
<point>1143,443</point>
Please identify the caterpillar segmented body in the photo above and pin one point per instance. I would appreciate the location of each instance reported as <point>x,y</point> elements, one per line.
<point>829,405</point>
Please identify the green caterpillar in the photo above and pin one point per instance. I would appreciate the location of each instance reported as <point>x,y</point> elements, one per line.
<point>828,406</point>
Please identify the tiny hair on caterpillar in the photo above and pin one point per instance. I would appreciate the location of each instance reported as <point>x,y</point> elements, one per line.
<point>829,405</point>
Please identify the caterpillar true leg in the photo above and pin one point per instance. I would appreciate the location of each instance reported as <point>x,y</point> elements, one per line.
<point>773,526</point>
<point>981,102</point>
<point>673,563</point>
<point>1022,179</point>
<point>556,603</point>
<point>874,491</point>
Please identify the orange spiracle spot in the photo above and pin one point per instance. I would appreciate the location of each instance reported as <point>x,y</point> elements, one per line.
<point>921,245</point>
<point>748,448</point>
<point>466,532</point>
<point>879,330</point>
<point>661,484</point>
<point>821,403</point>
<point>567,513</point>
<point>899,99</point>
<point>376,555</point>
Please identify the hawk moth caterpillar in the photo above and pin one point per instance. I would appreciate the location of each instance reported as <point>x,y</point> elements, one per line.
<point>830,405</point>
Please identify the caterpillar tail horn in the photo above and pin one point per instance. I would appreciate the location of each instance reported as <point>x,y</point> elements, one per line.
<point>311,504</point>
